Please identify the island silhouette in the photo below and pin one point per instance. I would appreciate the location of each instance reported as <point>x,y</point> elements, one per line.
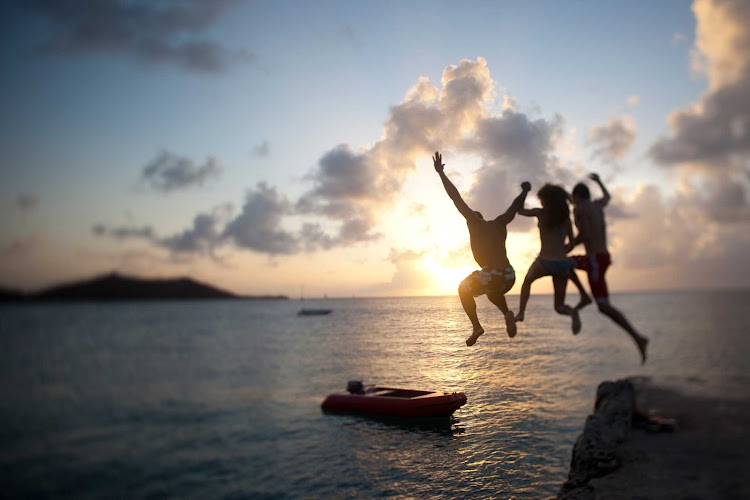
<point>114,286</point>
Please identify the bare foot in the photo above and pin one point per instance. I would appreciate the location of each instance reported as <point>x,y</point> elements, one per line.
<point>642,343</point>
<point>478,330</point>
<point>519,317</point>
<point>585,300</point>
<point>576,322</point>
<point>510,324</point>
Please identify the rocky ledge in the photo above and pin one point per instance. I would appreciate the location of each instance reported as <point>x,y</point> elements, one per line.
<point>651,442</point>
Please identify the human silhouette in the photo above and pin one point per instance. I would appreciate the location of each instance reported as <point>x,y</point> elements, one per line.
<point>592,232</point>
<point>554,228</point>
<point>488,246</point>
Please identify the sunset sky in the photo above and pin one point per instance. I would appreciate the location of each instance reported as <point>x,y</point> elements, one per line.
<point>263,147</point>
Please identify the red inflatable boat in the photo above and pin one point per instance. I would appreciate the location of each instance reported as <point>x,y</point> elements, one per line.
<point>394,402</point>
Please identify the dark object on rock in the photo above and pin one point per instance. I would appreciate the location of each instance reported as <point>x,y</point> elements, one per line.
<point>656,423</point>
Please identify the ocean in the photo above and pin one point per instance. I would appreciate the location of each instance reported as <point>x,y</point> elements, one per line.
<point>221,398</point>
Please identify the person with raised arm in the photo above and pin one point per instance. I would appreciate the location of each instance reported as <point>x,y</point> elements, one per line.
<point>592,232</point>
<point>554,228</point>
<point>487,238</point>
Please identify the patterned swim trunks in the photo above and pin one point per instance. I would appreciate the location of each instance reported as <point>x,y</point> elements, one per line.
<point>489,281</point>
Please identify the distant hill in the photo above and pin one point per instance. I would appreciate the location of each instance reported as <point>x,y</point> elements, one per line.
<point>7,295</point>
<point>116,287</point>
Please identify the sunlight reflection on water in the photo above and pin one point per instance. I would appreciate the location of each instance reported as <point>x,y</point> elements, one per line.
<point>222,398</point>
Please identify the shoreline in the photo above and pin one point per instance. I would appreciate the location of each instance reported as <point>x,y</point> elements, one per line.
<point>649,440</point>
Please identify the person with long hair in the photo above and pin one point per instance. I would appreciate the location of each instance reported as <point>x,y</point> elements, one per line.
<point>554,229</point>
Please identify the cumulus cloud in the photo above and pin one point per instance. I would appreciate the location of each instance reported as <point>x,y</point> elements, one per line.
<point>202,238</point>
<point>356,186</point>
<point>258,226</point>
<point>675,238</point>
<point>514,148</point>
<point>169,172</point>
<point>612,140</point>
<point>709,141</point>
<point>150,32</point>
<point>349,190</point>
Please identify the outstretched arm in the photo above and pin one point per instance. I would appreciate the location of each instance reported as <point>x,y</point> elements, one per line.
<point>517,204</point>
<point>461,205</point>
<point>530,212</point>
<point>605,199</point>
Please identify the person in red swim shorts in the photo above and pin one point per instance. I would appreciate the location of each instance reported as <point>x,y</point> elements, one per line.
<point>592,232</point>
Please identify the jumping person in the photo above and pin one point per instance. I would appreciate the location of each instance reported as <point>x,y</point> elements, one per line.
<point>592,232</point>
<point>554,228</point>
<point>488,246</point>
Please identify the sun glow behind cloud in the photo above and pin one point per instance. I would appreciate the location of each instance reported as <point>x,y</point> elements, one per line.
<point>343,197</point>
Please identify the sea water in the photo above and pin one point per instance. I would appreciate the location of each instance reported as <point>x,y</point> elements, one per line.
<point>221,398</point>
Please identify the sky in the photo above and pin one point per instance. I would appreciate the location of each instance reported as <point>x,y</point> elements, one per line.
<point>285,147</point>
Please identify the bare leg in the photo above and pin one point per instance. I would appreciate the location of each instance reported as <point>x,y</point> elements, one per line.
<point>510,321</point>
<point>560,282</point>
<point>615,315</point>
<point>536,271</point>
<point>470,306</point>
<point>585,299</point>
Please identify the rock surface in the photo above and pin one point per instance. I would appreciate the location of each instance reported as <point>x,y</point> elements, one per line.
<point>644,441</point>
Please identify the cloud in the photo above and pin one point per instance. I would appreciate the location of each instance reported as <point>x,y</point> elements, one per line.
<point>633,100</point>
<point>514,148</point>
<point>262,150</point>
<point>168,172</point>
<point>709,143</point>
<point>355,187</point>
<point>410,274</point>
<point>125,232</point>
<point>349,190</point>
<point>26,202</point>
<point>258,226</point>
<point>343,175</point>
<point>675,239</point>
<point>201,239</point>
<point>612,140</point>
<point>151,32</point>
